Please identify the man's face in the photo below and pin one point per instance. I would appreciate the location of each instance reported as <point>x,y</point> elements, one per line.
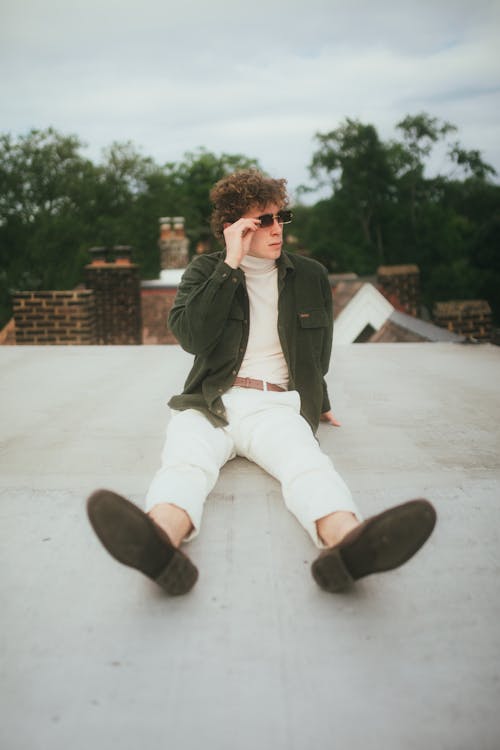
<point>266,242</point>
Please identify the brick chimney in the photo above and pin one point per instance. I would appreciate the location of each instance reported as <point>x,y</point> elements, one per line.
<point>469,318</point>
<point>401,286</point>
<point>115,282</point>
<point>173,243</point>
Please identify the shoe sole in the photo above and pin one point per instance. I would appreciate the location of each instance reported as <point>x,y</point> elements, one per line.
<point>130,536</point>
<point>388,540</point>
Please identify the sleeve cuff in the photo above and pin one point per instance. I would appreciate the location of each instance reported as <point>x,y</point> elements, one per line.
<point>225,273</point>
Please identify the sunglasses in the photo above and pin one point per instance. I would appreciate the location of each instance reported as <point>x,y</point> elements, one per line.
<point>282,217</point>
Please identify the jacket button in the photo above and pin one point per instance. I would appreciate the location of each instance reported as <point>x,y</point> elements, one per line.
<point>234,280</point>
<point>234,372</point>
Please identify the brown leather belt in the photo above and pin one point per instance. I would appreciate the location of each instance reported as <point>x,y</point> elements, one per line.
<point>259,385</point>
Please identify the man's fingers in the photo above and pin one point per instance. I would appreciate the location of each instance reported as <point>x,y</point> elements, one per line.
<point>242,227</point>
<point>238,238</point>
<point>327,416</point>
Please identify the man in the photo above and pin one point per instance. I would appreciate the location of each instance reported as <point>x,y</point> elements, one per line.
<point>259,323</point>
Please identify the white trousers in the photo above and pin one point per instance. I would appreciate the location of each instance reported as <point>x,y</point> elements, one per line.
<point>266,427</point>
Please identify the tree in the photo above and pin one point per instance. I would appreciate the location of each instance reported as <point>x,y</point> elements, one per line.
<point>420,134</point>
<point>357,164</point>
<point>383,208</point>
<point>441,222</point>
<point>191,181</point>
<point>43,183</point>
<point>38,175</point>
<point>177,189</point>
<point>470,162</point>
<point>55,204</point>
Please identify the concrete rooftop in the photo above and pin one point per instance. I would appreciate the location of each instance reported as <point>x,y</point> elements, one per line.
<point>95,656</point>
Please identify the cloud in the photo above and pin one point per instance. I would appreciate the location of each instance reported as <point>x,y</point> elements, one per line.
<point>256,79</point>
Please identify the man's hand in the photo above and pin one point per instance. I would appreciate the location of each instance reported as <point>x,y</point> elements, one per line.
<point>327,416</point>
<point>238,238</point>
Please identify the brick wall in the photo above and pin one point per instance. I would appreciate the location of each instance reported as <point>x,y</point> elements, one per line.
<point>156,305</point>
<point>54,317</point>
<point>116,288</point>
<point>470,318</point>
<point>401,285</point>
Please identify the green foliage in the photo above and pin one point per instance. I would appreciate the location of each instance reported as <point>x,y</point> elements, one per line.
<point>43,184</point>
<point>358,165</point>
<point>55,204</point>
<point>420,133</point>
<point>384,209</point>
<point>190,182</point>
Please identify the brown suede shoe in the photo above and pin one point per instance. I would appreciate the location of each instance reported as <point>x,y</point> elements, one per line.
<point>382,542</point>
<point>134,539</point>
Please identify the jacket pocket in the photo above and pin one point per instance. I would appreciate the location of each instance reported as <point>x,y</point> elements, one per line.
<point>313,319</point>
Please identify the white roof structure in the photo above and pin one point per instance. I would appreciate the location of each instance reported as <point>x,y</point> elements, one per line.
<point>256,657</point>
<point>171,276</point>
<point>368,308</point>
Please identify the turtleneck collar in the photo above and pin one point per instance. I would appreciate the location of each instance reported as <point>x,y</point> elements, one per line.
<point>256,266</point>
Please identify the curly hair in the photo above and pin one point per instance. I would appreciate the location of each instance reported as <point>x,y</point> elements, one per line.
<point>237,193</point>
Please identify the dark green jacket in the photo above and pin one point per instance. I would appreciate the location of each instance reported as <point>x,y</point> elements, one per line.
<point>210,318</point>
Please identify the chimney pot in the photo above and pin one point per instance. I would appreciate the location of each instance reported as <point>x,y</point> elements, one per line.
<point>99,255</point>
<point>122,254</point>
<point>173,244</point>
<point>179,226</point>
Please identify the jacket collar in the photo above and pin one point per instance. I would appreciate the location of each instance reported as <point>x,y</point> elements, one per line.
<point>284,263</point>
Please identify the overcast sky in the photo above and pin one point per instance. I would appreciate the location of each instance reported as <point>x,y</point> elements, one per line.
<point>256,78</point>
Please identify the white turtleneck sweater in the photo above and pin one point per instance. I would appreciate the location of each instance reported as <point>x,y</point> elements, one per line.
<point>264,357</point>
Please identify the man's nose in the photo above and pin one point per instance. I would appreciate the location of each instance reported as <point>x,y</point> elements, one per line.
<point>276,228</point>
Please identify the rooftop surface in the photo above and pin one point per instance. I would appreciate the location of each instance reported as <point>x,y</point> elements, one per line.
<point>95,656</point>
